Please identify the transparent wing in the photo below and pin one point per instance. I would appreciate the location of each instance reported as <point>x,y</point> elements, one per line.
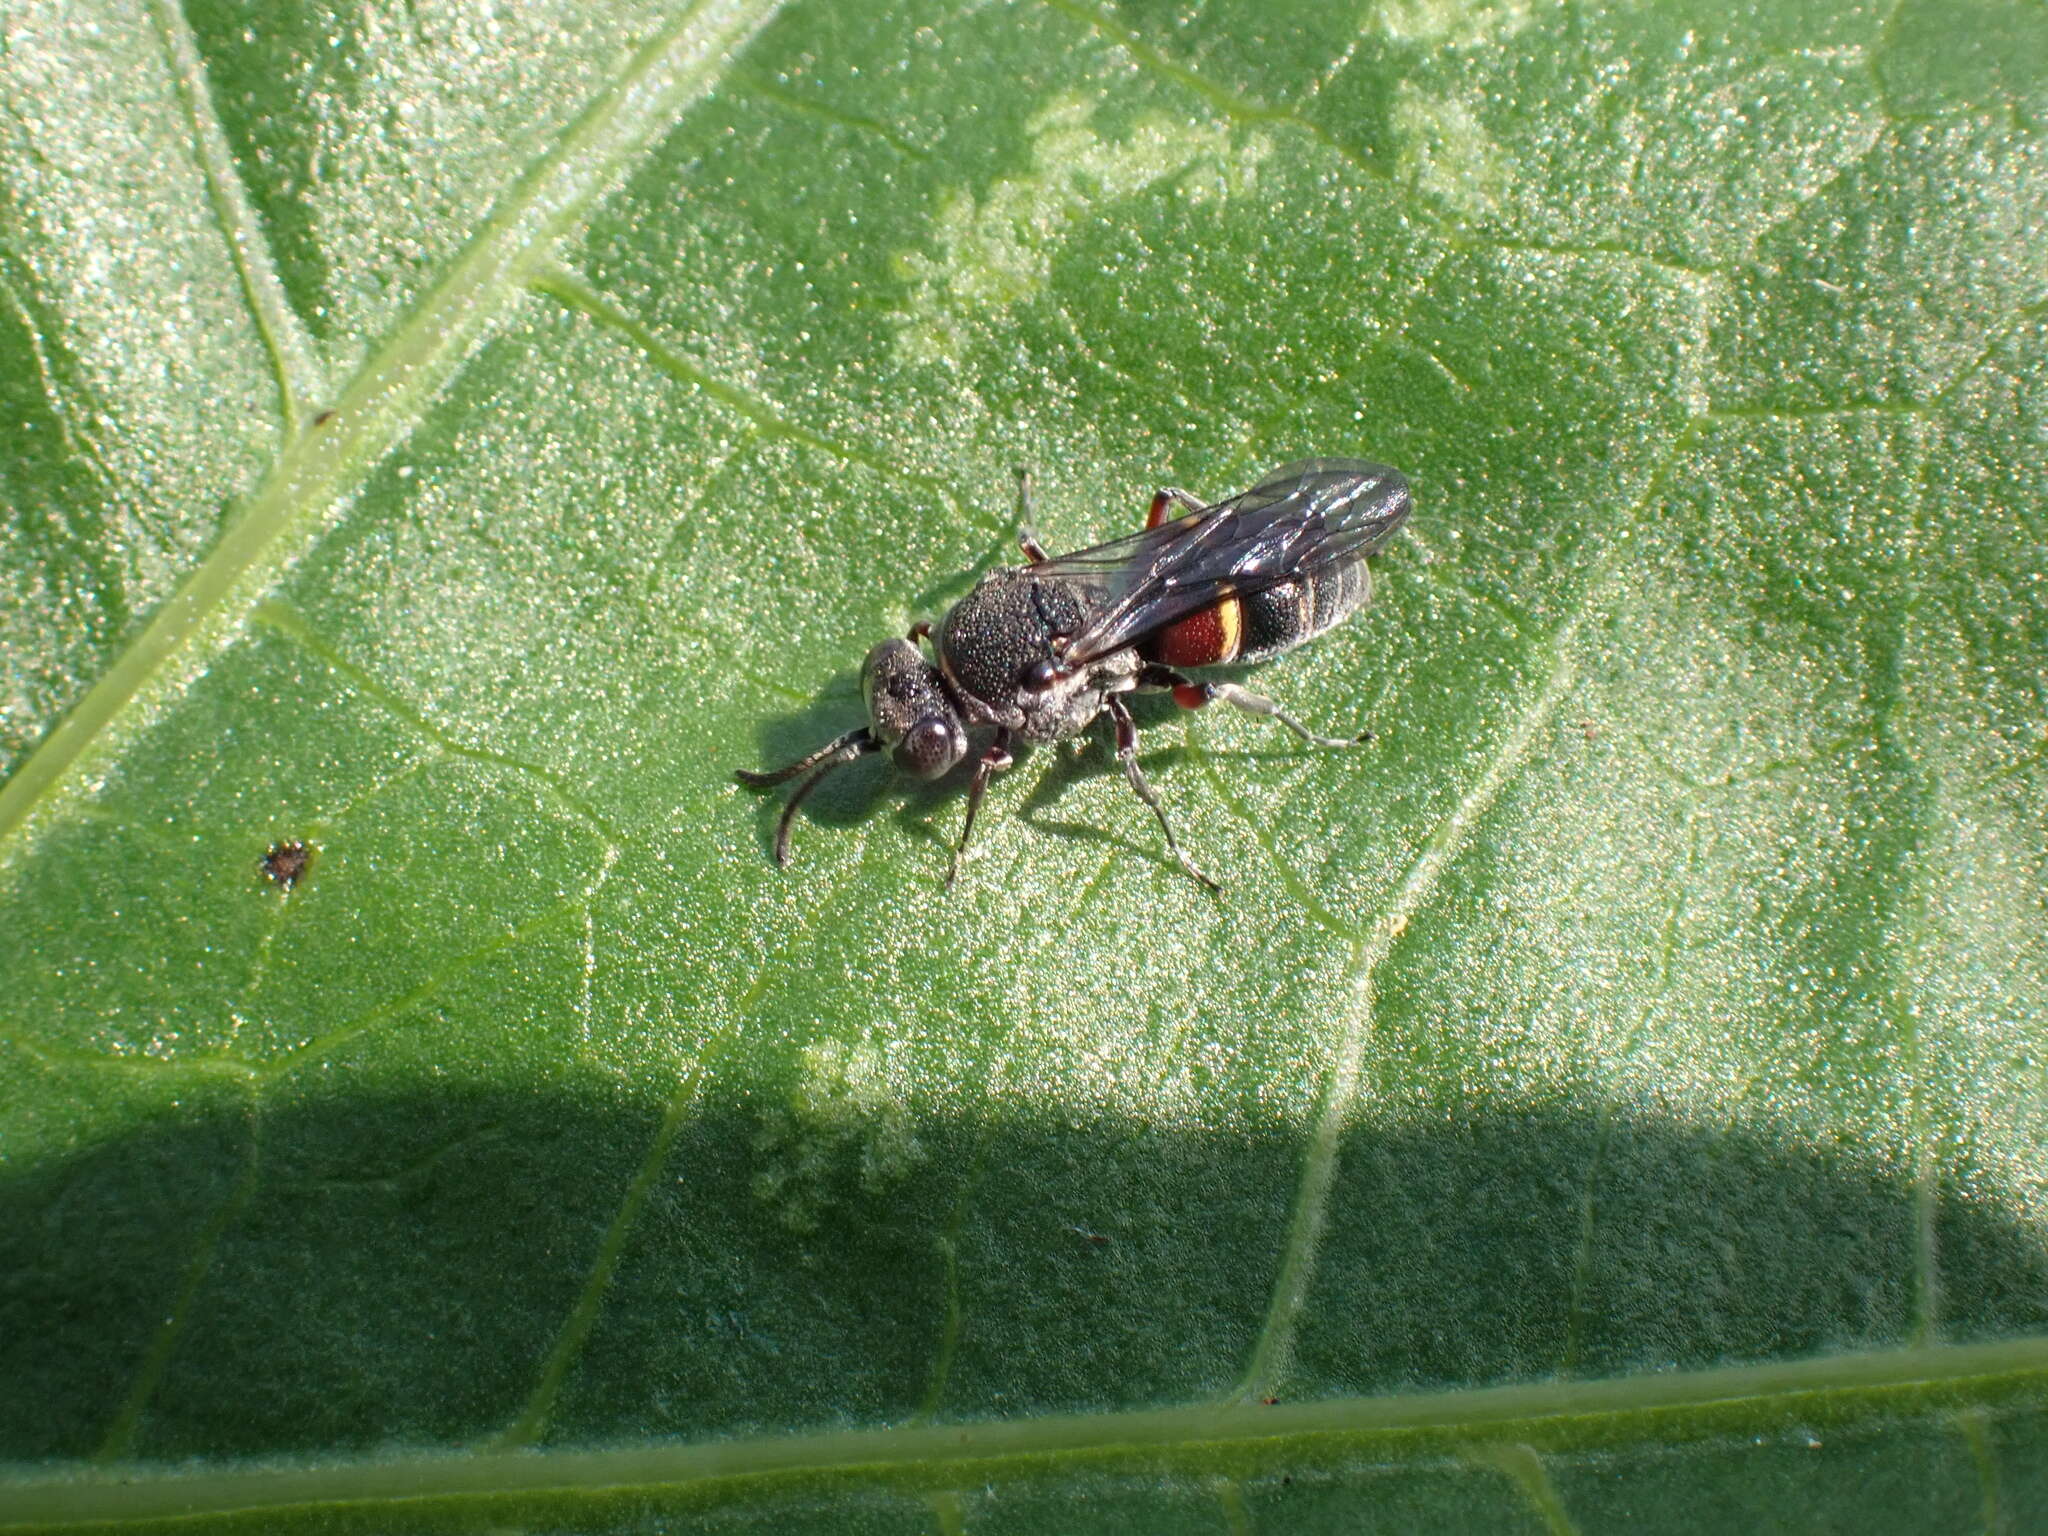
<point>1315,516</point>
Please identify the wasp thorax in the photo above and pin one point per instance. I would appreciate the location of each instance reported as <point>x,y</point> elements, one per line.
<point>908,710</point>
<point>1003,647</point>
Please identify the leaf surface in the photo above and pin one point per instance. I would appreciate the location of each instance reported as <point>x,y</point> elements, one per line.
<point>457,437</point>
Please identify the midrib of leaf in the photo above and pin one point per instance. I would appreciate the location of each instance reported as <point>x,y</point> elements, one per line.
<point>1551,1418</point>
<point>331,455</point>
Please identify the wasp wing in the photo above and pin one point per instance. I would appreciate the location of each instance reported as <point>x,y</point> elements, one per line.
<point>1315,516</point>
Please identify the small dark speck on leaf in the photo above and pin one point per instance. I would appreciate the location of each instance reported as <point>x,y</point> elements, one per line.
<point>285,863</point>
<point>323,418</point>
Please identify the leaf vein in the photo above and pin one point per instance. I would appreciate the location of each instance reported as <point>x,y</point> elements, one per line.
<point>1552,1417</point>
<point>284,340</point>
<point>320,467</point>
<point>1274,1346</point>
<point>382,1013</point>
<point>156,1359</point>
<point>1271,1353</point>
<point>531,1420</point>
<point>1524,1468</point>
<point>1226,102</point>
<point>767,418</point>
<point>1691,273</point>
<point>281,619</point>
<point>1261,831</point>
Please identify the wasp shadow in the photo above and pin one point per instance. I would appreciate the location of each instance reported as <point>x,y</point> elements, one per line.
<point>1089,757</point>
<point>942,594</point>
<point>832,711</point>
<point>1164,758</point>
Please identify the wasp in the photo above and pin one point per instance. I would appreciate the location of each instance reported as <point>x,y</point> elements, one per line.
<point>1039,651</point>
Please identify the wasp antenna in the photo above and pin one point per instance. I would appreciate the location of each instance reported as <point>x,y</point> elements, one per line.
<point>858,740</point>
<point>854,744</point>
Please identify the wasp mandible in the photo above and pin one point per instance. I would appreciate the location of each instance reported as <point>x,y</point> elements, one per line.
<point>1040,650</point>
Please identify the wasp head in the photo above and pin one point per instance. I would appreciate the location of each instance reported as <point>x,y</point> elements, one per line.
<point>909,711</point>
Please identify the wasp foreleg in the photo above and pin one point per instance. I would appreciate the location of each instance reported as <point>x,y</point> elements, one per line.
<point>1127,754</point>
<point>992,762</point>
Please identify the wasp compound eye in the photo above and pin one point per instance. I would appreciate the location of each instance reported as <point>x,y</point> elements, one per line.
<point>1040,676</point>
<point>931,747</point>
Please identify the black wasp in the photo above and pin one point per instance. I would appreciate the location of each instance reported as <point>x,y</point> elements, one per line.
<point>1040,650</point>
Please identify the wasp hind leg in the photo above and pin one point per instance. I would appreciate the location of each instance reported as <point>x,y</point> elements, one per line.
<point>1189,694</point>
<point>1127,754</point>
<point>1172,496</point>
<point>1027,537</point>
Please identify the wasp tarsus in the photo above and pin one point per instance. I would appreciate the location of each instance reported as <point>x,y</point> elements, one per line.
<point>1039,652</point>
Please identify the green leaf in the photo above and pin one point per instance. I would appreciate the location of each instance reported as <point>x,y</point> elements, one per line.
<point>456,437</point>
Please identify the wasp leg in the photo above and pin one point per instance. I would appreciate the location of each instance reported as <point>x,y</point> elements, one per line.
<point>1127,754</point>
<point>993,762</point>
<point>1190,694</point>
<point>1258,704</point>
<point>1027,540</point>
<point>834,754</point>
<point>921,630</point>
<point>1172,496</point>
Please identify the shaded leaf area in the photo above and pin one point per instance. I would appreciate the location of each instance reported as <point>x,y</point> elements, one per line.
<point>804,1266</point>
<point>1661,989</point>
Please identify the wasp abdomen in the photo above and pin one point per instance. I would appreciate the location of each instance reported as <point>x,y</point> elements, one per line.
<point>1282,617</point>
<point>1205,639</point>
<point>1255,628</point>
